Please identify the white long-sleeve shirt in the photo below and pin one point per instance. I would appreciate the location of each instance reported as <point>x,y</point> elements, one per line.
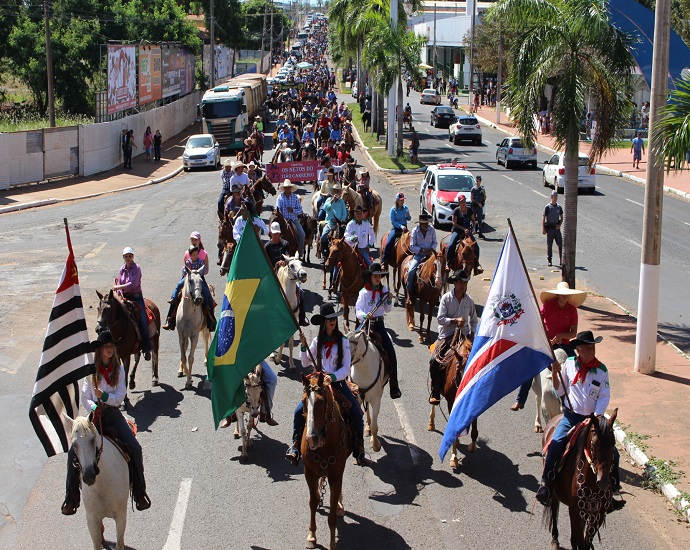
<point>366,302</point>
<point>450,308</point>
<point>363,232</point>
<point>240,222</point>
<point>592,395</point>
<point>328,364</point>
<point>116,395</point>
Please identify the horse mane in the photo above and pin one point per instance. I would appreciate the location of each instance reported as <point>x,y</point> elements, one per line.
<point>82,423</point>
<point>282,275</point>
<point>426,270</point>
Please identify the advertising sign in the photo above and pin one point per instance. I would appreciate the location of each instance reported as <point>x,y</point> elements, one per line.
<point>122,78</point>
<point>304,170</point>
<point>171,71</point>
<point>149,74</point>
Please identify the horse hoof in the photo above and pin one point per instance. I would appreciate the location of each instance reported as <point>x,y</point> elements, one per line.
<point>340,511</point>
<point>454,462</point>
<point>431,427</point>
<point>472,447</point>
<point>154,382</point>
<point>132,384</point>
<point>421,339</point>
<point>555,545</point>
<point>411,327</point>
<point>367,432</point>
<point>311,541</point>
<point>323,287</point>
<point>188,386</point>
<point>236,434</point>
<point>376,446</point>
<point>538,430</point>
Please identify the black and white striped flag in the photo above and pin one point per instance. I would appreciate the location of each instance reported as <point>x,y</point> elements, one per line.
<point>65,360</point>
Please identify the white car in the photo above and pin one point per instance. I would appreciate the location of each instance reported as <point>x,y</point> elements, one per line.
<point>201,150</point>
<point>440,187</point>
<point>465,128</point>
<point>354,89</point>
<point>430,96</point>
<point>511,151</point>
<point>553,174</point>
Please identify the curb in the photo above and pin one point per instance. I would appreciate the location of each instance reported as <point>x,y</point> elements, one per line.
<point>46,202</point>
<point>365,152</point>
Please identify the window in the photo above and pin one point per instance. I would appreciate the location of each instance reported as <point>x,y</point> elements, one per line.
<point>200,142</point>
<point>223,109</point>
<point>455,182</point>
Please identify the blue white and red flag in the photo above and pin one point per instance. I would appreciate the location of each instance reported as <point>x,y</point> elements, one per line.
<point>510,346</point>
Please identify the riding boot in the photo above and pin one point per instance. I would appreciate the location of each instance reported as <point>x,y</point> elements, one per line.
<point>170,319</point>
<point>395,392</point>
<point>72,492</point>
<point>266,416</point>
<point>136,472</point>
<point>435,375</point>
<point>211,321</point>
<point>293,453</point>
<point>302,315</point>
<point>358,452</point>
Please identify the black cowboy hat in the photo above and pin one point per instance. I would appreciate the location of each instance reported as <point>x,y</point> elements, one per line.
<point>326,311</point>
<point>458,275</point>
<point>374,269</point>
<point>585,337</point>
<point>325,159</point>
<point>104,337</point>
<point>360,208</point>
<point>424,217</point>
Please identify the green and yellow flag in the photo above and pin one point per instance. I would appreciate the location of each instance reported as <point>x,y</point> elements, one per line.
<point>254,321</point>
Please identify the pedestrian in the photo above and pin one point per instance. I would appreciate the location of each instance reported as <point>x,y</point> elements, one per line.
<point>157,142</point>
<point>478,198</point>
<point>129,143</point>
<point>123,144</point>
<point>148,143</point>
<point>637,149</point>
<point>551,222</point>
<point>414,146</point>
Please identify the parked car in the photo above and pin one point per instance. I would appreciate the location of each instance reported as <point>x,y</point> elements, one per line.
<point>354,89</point>
<point>430,96</point>
<point>201,150</point>
<point>511,151</point>
<point>440,187</point>
<point>442,116</point>
<point>465,128</point>
<point>553,173</point>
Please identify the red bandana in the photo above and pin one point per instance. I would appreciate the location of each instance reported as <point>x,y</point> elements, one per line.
<point>584,369</point>
<point>328,346</point>
<point>374,291</point>
<point>105,373</point>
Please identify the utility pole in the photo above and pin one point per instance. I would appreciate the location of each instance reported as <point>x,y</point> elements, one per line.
<point>49,68</point>
<point>212,37</point>
<point>270,47</point>
<point>434,45</point>
<point>648,299</point>
<point>499,76</point>
<point>390,132</point>
<point>470,90</point>
<point>263,39</point>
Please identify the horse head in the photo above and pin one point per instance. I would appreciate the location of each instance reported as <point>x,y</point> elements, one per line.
<point>105,311</point>
<point>85,442</point>
<point>358,344</point>
<point>265,184</point>
<point>295,270</point>
<point>252,390</point>
<point>193,286</point>
<point>316,399</point>
<point>600,447</point>
<point>334,253</point>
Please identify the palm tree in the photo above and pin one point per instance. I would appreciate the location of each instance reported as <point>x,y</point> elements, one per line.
<point>571,45</point>
<point>672,131</point>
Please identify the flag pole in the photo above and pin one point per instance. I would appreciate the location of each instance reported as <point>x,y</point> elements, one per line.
<point>69,240</point>
<point>529,281</point>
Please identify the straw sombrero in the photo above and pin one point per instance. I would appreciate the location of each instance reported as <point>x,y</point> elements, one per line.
<point>575,297</point>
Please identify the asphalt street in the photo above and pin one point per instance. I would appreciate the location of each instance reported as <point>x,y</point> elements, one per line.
<point>203,496</point>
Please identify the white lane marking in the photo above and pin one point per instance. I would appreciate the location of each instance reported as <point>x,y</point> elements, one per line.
<point>509,178</point>
<point>449,145</point>
<point>635,202</point>
<point>95,251</point>
<point>405,423</point>
<point>638,245</point>
<point>538,193</point>
<point>686,223</point>
<point>175,534</point>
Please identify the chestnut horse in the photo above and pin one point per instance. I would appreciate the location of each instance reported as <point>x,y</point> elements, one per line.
<point>453,361</point>
<point>401,250</point>
<point>584,481</point>
<point>465,257</point>
<point>341,255</point>
<point>325,447</point>
<point>226,245</point>
<point>286,231</point>
<point>427,290</point>
<point>115,316</point>
<point>257,190</point>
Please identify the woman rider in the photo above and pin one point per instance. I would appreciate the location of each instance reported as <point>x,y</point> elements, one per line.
<point>400,215</point>
<point>102,394</point>
<point>195,240</point>
<point>332,352</point>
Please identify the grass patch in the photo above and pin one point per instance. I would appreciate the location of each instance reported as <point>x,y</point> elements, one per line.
<point>36,122</point>
<point>664,471</point>
<point>378,150</point>
<point>626,144</point>
<point>637,439</point>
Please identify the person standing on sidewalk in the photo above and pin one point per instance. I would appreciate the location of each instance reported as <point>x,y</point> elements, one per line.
<point>157,142</point>
<point>127,147</point>
<point>123,144</point>
<point>148,143</point>
<point>637,149</point>
<point>478,197</point>
<point>551,222</point>
<point>414,146</point>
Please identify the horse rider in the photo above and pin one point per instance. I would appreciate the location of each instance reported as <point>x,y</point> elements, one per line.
<point>102,394</point>
<point>289,205</point>
<point>464,225</point>
<point>128,282</point>
<point>253,172</point>
<point>399,216</point>
<point>331,350</point>
<point>359,233</point>
<point>586,382</point>
<point>225,176</point>
<point>234,203</point>
<point>456,310</point>
<point>423,244</point>
<point>364,189</point>
<point>241,178</point>
<point>478,199</point>
<point>559,314</point>
<point>334,211</point>
<point>370,295</point>
<point>248,213</point>
<point>325,191</point>
<point>193,262</point>
<point>326,166</point>
<point>195,240</point>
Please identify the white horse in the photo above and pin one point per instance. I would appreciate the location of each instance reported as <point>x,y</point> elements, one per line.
<point>105,494</point>
<point>191,321</point>
<point>248,412</point>
<point>545,396</point>
<point>289,275</point>
<point>367,372</point>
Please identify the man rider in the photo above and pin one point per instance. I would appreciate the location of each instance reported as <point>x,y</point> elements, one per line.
<point>423,243</point>
<point>290,207</point>
<point>360,234</point>
<point>463,225</point>
<point>334,211</point>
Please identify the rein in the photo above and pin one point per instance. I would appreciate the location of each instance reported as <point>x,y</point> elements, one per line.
<point>363,391</point>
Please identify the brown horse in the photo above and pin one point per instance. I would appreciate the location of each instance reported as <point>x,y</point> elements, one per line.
<point>310,226</point>
<point>465,257</point>
<point>584,481</point>
<point>353,199</point>
<point>257,190</point>
<point>430,275</point>
<point>453,361</point>
<point>286,231</point>
<point>337,233</point>
<point>342,255</point>
<point>401,251</point>
<point>114,315</point>
<point>325,448</point>
<point>226,245</point>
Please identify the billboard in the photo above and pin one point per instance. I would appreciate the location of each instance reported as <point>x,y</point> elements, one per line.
<point>122,78</point>
<point>171,70</point>
<point>303,170</point>
<point>149,74</point>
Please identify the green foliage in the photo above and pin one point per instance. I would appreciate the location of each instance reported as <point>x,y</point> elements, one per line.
<point>253,11</point>
<point>230,21</point>
<point>663,472</point>
<point>34,121</point>
<point>672,132</point>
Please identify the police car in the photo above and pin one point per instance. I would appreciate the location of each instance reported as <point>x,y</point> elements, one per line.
<point>441,185</point>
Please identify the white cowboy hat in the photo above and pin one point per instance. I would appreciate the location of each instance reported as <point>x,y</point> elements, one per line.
<point>287,183</point>
<point>275,227</point>
<point>239,165</point>
<point>228,162</point>
<point>575,297</point>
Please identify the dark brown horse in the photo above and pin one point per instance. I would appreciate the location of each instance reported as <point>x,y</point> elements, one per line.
<point>453,360</point>
<point>257,189</point>
<point>337,233</point>
<point>584,481</point>
<point>226,245</point>
<point>310,226</point>
<point>286,231</point>
<point>428,289</point>
<point>401,250</point>
<point>341,255</point>
<point>114,315</point>
<point>325,448</point>
<point>465,257</point>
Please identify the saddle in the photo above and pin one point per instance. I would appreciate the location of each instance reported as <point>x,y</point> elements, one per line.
<point>375,337</point>
<point>573,435</point>
<point>133,310</point>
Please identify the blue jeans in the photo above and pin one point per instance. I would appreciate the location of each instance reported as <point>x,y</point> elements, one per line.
<point>324,236</point>
<point>143,321</point>
<point>270,379</point>
<point>299,233</point>
<point>412,273</point>
<point>455,239</point>
<point>523,392</point>
<point>365,255</point>
<point>393,233</point>
<point>221,204</point>
<point>205,291</point>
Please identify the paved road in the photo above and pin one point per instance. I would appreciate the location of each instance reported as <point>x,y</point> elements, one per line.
<point>408,499</point>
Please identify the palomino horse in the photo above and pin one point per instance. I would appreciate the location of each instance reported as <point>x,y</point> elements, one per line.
<point>401,251</point>
<point>325,447</point>
<point>584,481</point>
<point>367,371</point>
<point>373,213</point>
<point>115,316</point>
<point>453,361</point>
<point>190,321</point>
<point>248,412</point>
<point>548,404</point>
<point>286,231</point>
<point>342,255</point>
<point>257,190</point>
<point>427,290</point>
<point>465,257</point>
<point>288,276</point>
<point>105,477</point>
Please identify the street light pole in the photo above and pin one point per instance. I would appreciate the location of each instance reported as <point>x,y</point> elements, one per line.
<point>435,44</point>
<point>648,299</point>
<point>212,38</point>
<point>499,75</point>
<point>390,133</point>
<point>49,68</point>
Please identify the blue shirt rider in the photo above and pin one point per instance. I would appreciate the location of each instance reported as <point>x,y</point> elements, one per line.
<point>399,216</point>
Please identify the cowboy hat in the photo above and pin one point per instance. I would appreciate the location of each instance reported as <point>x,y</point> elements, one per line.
<point>236,188</point>
<point>458,275</point>
<point>287,183</point>
<point>337,187</point>
<point>360,208</point>
<point>103,338</point>
<point>363,172</point>
<point>374,269</point>
<point>228,162</point>
<point>239,165</point>
<point>251,164</point>
<point>325,159</point>
<point>584,338</point>
<point>326,311</point>
<point>424,218</point>
<point>575,297</point>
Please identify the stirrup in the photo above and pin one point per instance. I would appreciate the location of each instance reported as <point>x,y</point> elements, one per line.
<point>292,455</point>
<point>434,400</point>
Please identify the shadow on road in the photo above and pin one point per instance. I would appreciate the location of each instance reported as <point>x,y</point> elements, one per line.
<point>153,404</point>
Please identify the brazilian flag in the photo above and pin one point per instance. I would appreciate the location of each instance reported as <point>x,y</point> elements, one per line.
<point>254,321</point>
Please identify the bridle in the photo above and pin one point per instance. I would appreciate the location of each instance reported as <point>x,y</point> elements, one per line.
<point>99,450</point>
<point>104,304</point>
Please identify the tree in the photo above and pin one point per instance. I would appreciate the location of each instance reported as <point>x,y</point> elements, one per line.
<point>673,128</point>
<point>253,11</point>
<point>572,45</point>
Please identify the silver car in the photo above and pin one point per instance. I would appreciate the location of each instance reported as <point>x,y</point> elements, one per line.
<point>511,152</point>
<point>201,150</point>
<point>465,128</point>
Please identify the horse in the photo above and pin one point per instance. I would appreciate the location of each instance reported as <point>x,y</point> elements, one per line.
<point>325,447</point>
<point>105,476</point>
<point>190,321</point>
<point>286,231</point>
<point>288,275</point>
<point>257,190</point>
<point>310,226</point>
<point>547,401</point>
<point>465,258</point>
<point>427,290</point>
<point>454,360</point>
<point>123,324</point>
<point>337,233</point>
<point>341,254</point>
<point>401,251</point>
<point>225,238</point>
<point>584,481</point>
<point>253,387</point>
<point>368,372</point>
